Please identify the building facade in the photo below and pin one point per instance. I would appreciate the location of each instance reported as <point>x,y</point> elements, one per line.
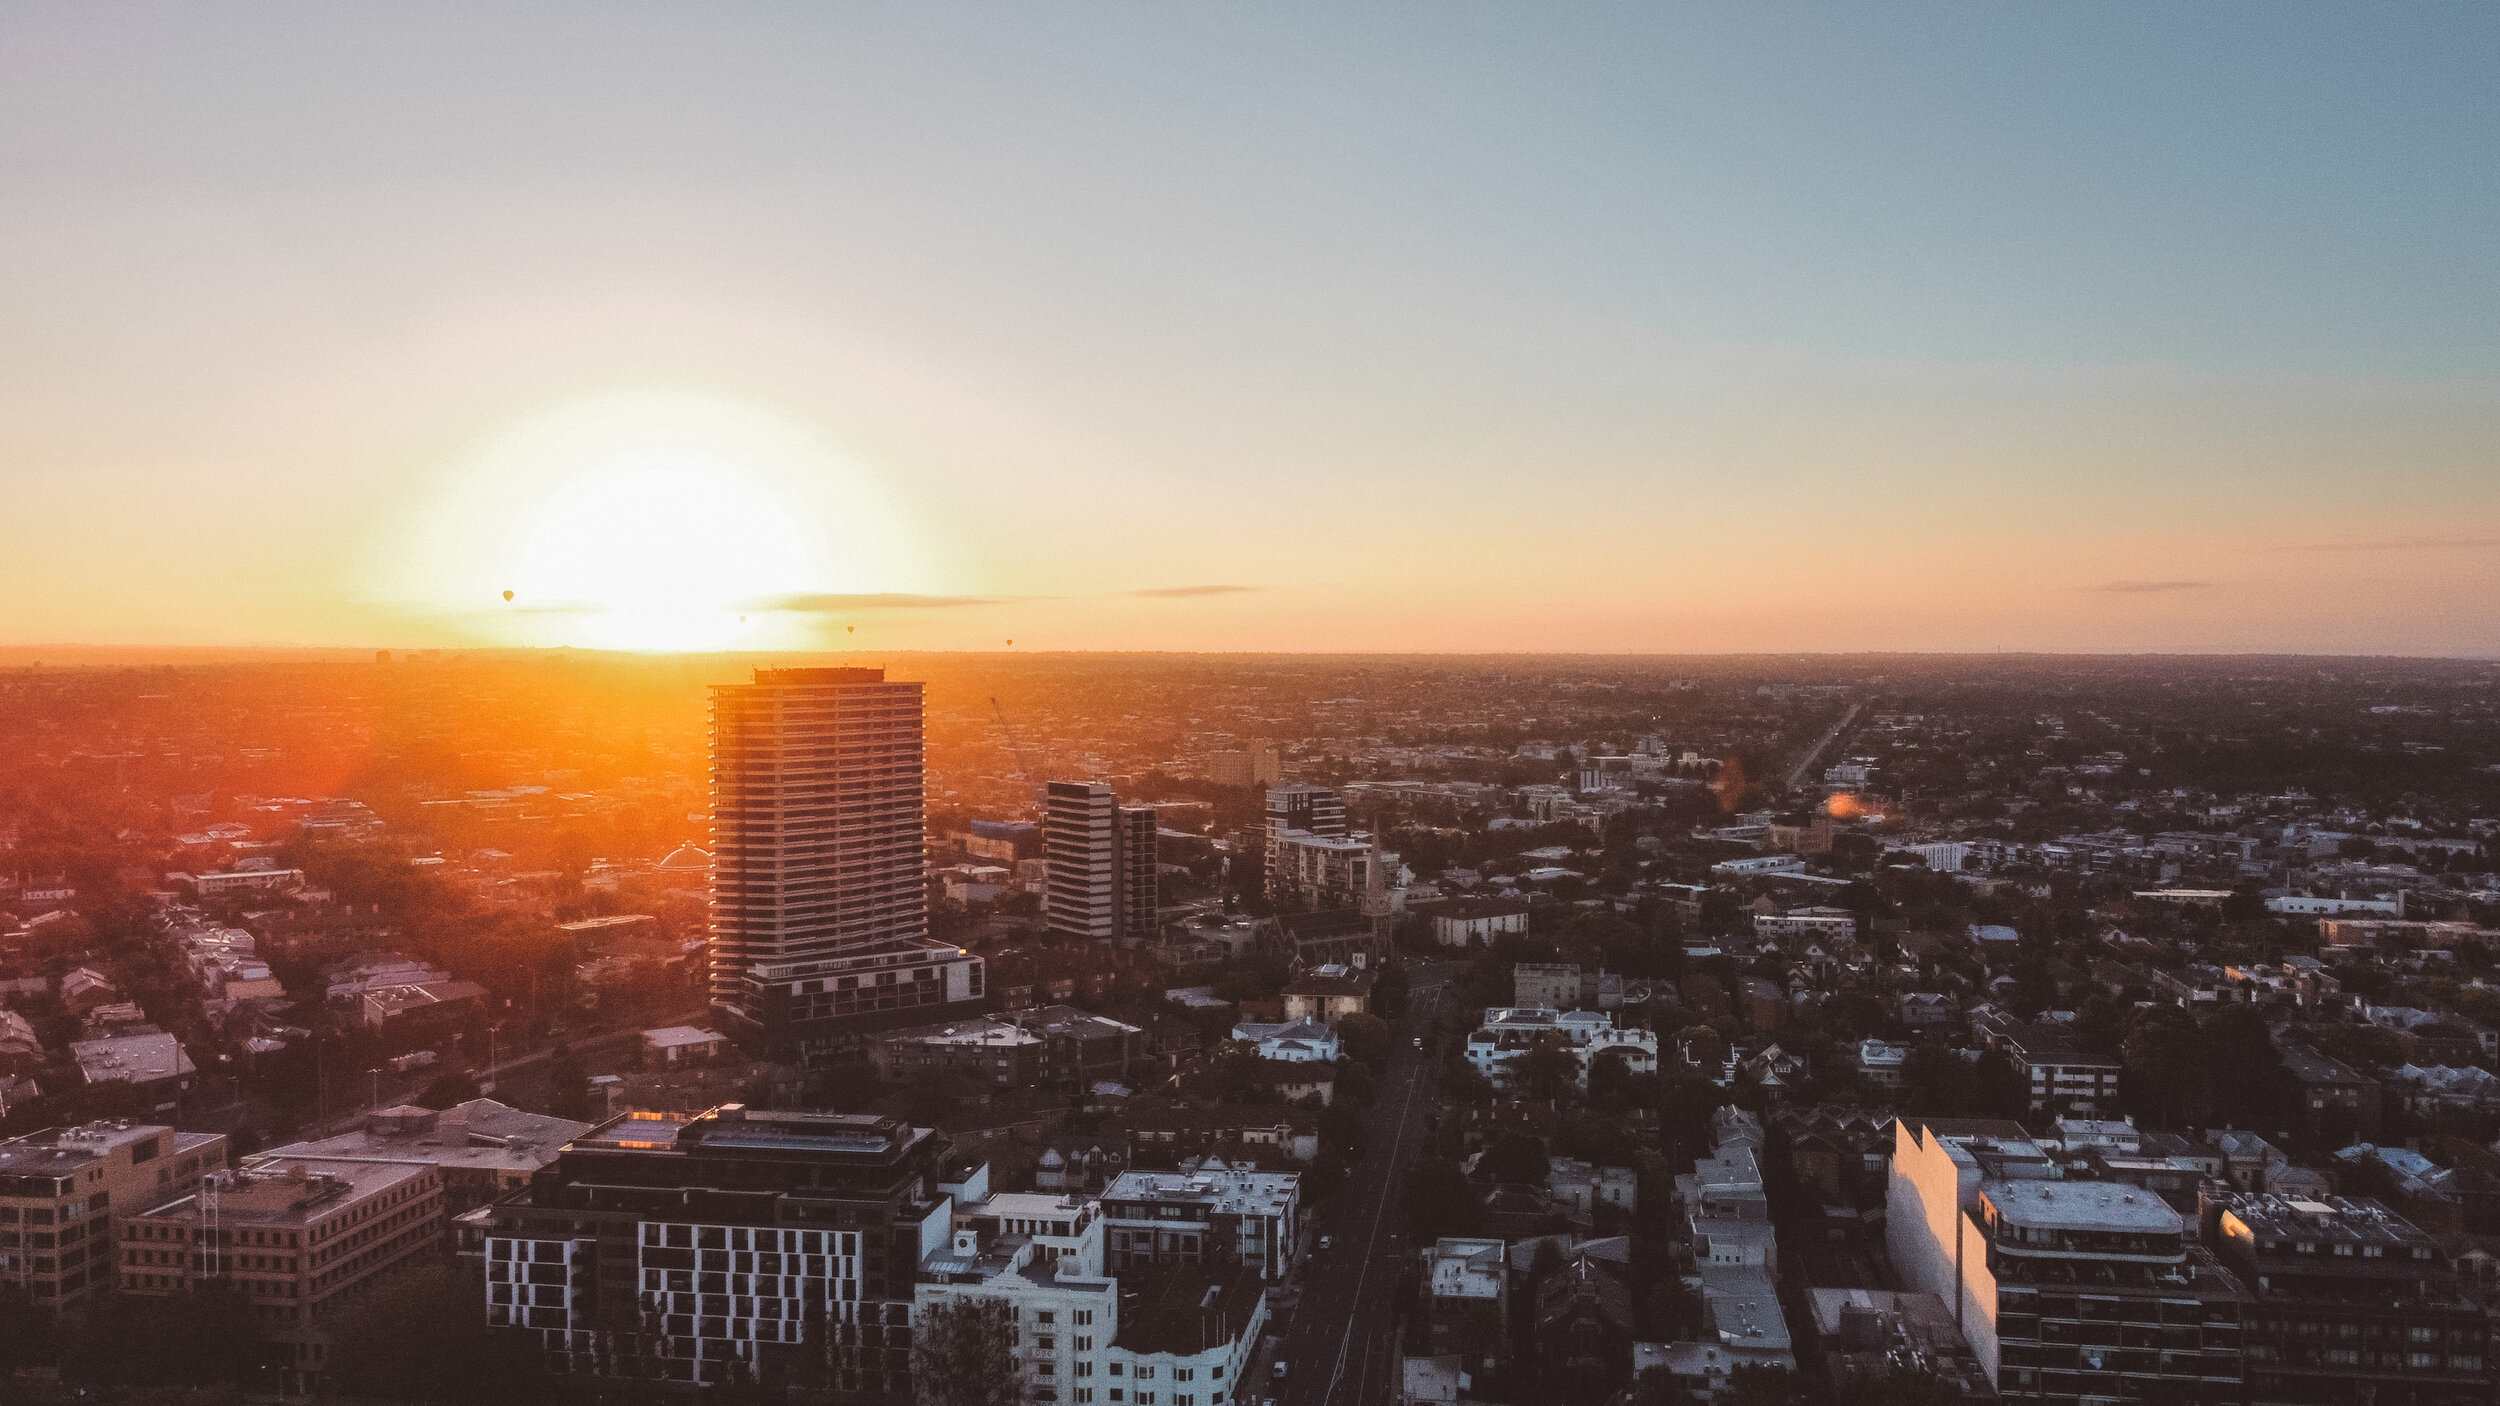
<point>2351,1303</point>
<point>1214,1215</point>
<point>732,1245</point>
<point>299,1238</point>
<point>61,1190</point>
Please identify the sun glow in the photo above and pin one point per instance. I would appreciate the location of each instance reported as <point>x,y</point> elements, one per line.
<point>658,521</point>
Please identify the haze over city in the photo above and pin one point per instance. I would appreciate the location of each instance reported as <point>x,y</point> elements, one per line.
<point>1610,328</point>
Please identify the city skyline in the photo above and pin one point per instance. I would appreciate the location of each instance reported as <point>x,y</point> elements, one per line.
<point>1608,330</point>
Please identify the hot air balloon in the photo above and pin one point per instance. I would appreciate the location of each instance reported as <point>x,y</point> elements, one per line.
<point>850,629</point>
<point>1011,641</point>
<point>507,597</point>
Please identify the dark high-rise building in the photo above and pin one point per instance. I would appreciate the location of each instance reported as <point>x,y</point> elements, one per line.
<point>1140,876</point>
<point>733,1245</point>
<point>820,906</point>
<point>2352,1304</point>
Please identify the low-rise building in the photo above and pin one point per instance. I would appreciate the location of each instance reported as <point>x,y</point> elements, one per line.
<point>1466,1300</point>
<point>1823,924</point>
<point>298,1238</point>
<point>2063,1078</point>
<point>482,1149</point>
<point>1300,1041</point>
<point>151,1062</point>
<point>61,1190</point>
<point>1215,1214</point>
<point>1584,1186</point>
<point>1879,1062</point>
<point>1475,922</point>
<point>2351,1302</point>
<point>1329,994</point>
<point>1511,1031</point>
<point>673,1045</point>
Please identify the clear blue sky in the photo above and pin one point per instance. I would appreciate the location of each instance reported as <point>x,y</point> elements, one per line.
<point>1919,326</point>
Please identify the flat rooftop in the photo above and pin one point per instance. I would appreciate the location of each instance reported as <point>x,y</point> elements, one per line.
<point>287,1190</point>
<point>2080,1206</point>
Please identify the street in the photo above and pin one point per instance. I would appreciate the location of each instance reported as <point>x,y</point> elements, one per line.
<point>1341,1345</point>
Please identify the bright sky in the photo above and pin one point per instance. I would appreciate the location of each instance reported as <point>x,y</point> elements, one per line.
<point>1438,327</point>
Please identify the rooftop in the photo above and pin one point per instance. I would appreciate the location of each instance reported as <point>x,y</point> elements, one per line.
<point>2080,1205</point>
<point>1186,1309</point>
<point>480,1134</point>
<point>287,1190</point>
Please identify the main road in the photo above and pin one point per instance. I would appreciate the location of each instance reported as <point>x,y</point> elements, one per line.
<point>1341,1346</point>
<point>1813,754</point>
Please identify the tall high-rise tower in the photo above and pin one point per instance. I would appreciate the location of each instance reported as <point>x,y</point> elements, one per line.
<point>820,907</point>
<point>1103,879</point>
<point>1081,843</point>
<point>1141,877</point>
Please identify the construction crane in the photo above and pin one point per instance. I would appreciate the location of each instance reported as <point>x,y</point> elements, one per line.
<point>1024,765</point>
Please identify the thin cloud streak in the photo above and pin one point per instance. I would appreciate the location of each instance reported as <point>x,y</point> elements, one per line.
<point>2397,544</point>
<point>886,600</point>
<point>2146,588</point>
<point>1185,592</point>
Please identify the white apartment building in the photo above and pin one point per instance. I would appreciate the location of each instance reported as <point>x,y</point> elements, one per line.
<point>1585,1186</point>
<point>1818,924</point>
<point>1511,1031</point>
<point>1177,1336</point>
<point>1760,864</point>
<point>1303,1041</point>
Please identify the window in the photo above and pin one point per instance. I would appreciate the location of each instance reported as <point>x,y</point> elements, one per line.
<point>2421,1359</point>
<point>1084,1318</point>
<point>1045,1316</point>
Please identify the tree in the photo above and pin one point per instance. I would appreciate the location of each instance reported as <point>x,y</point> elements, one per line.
<point>447,1089</point>
<point>935,1094</point>
<point>1547,1070</point>
<point>206,1338</point>
<point>2101,1023</point>
<point>24,1336</point>
<point>1516,1158</point>
<point>2163,1067</point>
<point>964,1354</point>
<point>1935,1082</point>
<point>420,1336</point>
<point>1366,1038</point>
<point>1752,1385</point>
<point>568,1087</point>
<point>1438,1201</point>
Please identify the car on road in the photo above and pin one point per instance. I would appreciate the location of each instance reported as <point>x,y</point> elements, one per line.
<point>1278,1370</point>
<point>1326,1243</point>
<point>1419,1042</point>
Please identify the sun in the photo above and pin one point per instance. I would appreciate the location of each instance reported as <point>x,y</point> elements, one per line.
<point>661,547</point>
<point>656,521</point>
